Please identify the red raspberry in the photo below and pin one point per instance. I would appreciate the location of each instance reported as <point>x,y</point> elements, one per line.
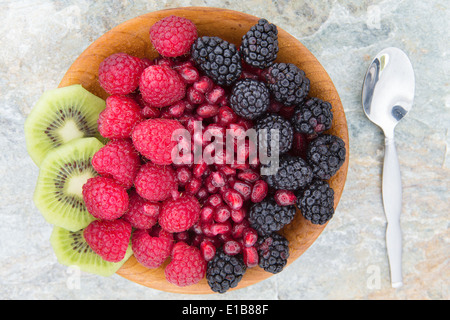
<point>173,36</point>
<point>109,239</point>
<point>153,139</point>
<point>118,160</point>
<point>180,214</point>
<point>151,251</point>
<point>120,73</point>
<point>187,266</point>
<point>154,182</point>
<point>142,214</point>
<point>120,116</point>
<point>161,86</point>
<point>104,198</point>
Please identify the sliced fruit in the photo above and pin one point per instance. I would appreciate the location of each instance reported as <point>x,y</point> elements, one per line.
<point>59,116</point>
<point>71,249</point>
<point>58,194</point>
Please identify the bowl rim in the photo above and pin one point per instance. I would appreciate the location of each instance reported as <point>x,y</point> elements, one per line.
<point>84,71</point>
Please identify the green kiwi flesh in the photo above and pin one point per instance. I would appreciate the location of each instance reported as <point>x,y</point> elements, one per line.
<point>59,116</point>
<point>71,249</point>
<point>58,193</point>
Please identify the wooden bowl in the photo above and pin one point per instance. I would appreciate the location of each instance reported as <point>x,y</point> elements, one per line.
<point>132,37</point>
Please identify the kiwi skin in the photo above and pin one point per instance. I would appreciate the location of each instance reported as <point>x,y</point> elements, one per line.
<point>58,192</point>
<point>71,249</point>
<point>59,116</point>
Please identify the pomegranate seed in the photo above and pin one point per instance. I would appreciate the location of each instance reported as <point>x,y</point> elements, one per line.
<point>197,228</point>
<point>215,94</point>
<point>233,199</point>
<point>250,255</point>
<point>285,197</point>
<point>189,74</point>
<point>249,236</point>
<point>249,75</point>
<point>238,215</point>
<point>183,175</point>
<point>215,130</point>
<point>235,131</point>
<point>199,169</point>
<point>220,228</point>
<point>150,112</point>
<point>226,116</point>
<point>259,192</point>
<point>299,145</point>
<point>202,193</point>
<point>204,84</point>
<point>287,112</point>
<point>248,176</point>
<point>215,200</point>
<point>207,213</point>
<point>209,186</point>
<point>218,179</point>
<point>207,229</point>
<point>246,124</point>
<point>275,106</point>
<point>176,110</point>
<point>197,239</point>
<point>194,96</point>
<point>182,236</point>
<point>222,213</point>
<point>164,62</point>
<point>223,238</point>
<point>238,229</point>
<point>244,188</point>
<point>207,110</point>
<point>226,170</point>
<point>231,247</point>
<point>193,186</point>
<point>207,249</point>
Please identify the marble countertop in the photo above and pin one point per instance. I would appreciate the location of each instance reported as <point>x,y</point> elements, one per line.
<point>40,40</point>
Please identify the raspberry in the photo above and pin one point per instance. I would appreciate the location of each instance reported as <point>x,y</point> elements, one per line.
<point>142,214</point>
<point>151,251</point>
<point>161,86</point>
<point>180,214</point>
<point>119,160</point>
<point>119,73</point>
<point>120,116</point>
<point>104,198</point>
<point>109,239</point>
<point>153,139</point>
<point>187,266</point>
<point>154,182</point>
<point>173,36</point>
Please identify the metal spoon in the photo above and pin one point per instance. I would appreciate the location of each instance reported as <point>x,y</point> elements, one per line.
<point>387,96</point>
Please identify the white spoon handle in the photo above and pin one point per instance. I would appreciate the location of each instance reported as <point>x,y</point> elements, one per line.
<point>392,202</point>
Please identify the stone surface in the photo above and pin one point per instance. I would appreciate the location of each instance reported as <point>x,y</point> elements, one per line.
<point>40,40</point>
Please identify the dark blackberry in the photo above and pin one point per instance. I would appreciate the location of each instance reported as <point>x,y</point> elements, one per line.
<point>313,116</point>
<point>293,173</point>
<point>326,154</point>
<point>267,216</point>
<point>283,138</point>
<point>224,271</point>
<point>273,252</point>
<point>249,98</point>
<point>259,45</point>
<point>287,83</point>
<point>218,59</point>
<point>317,202</point>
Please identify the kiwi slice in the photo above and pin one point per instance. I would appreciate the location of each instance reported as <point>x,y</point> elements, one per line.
<point>71,249</point>
<point>59,116</point>
<point>63,172</point>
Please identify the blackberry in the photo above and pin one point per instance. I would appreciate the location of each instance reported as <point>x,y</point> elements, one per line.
<point>287,83</point>
<point>267,216</point>
<point>313,116</point>
<point>218,59</point>
<point>293,173</point>
<point>283,138</point>
<point>317,202</point>
<point>273,252</point>
<point>326,154</point>
<point>249,98</point>
<point>259,45</point>
<point>224,271</point>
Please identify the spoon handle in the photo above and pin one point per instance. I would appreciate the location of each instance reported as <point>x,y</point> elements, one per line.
<point>392,202</point>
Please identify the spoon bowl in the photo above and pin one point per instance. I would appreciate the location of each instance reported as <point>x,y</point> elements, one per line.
<point>387,96</point>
